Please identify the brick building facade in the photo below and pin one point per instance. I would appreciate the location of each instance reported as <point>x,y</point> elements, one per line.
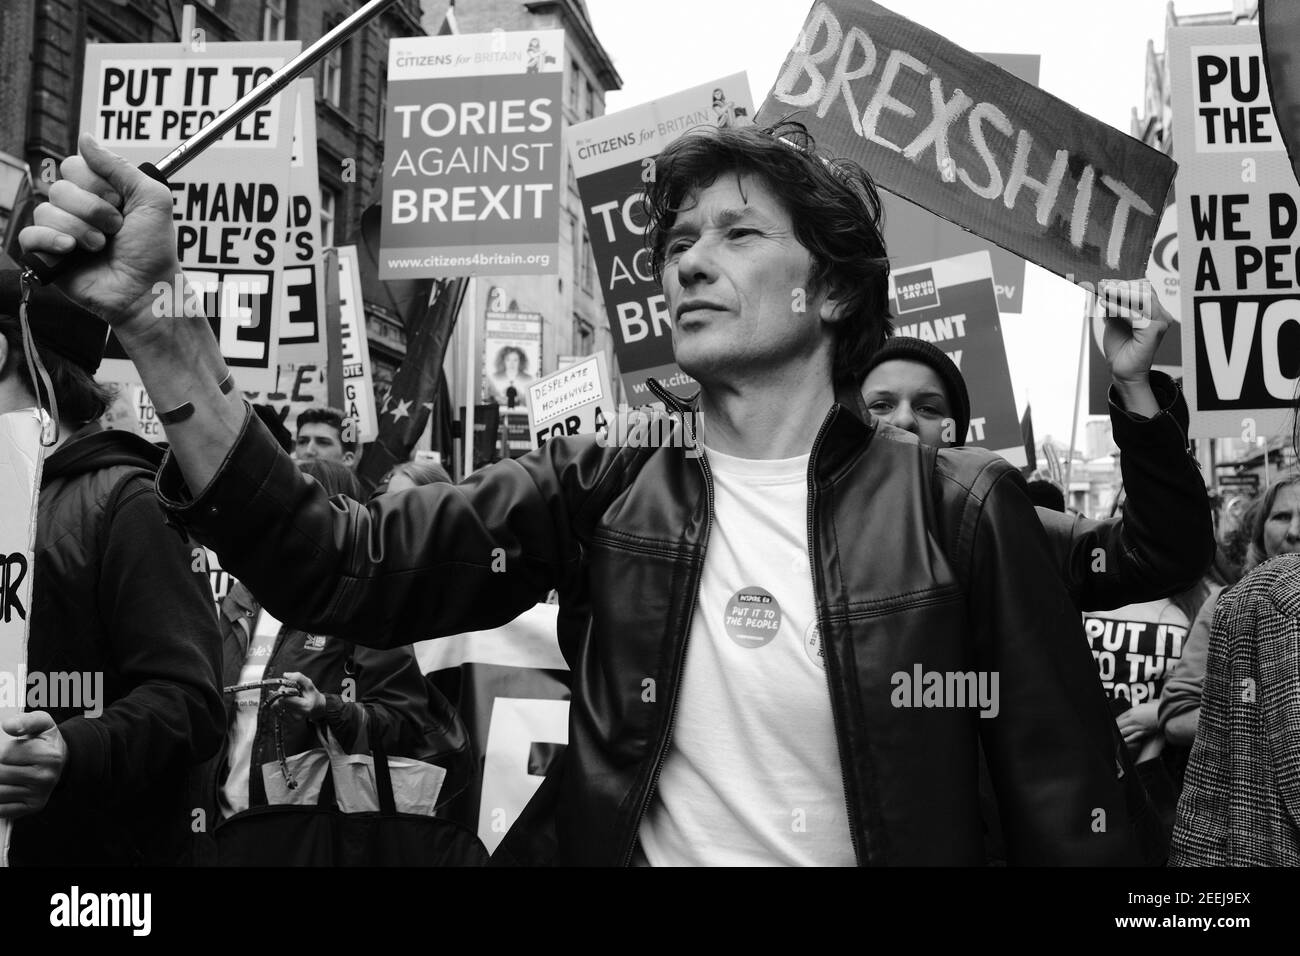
<point>41,42</point>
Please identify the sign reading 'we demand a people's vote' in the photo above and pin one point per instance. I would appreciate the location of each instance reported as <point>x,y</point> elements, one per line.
<point>972,143</point>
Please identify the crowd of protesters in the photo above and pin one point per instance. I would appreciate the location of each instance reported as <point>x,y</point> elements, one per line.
<point>736,626</point>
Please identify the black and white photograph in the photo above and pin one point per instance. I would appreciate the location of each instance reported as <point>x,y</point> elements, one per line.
<point>745,434</point>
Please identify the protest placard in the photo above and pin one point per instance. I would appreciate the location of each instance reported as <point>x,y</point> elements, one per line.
<point>301,354</point>
<point>511,687</point>
<point>298,388</point>
<point>472,155</point>
<point>302,313</point>
<point>230,204</point>
<point>971,143</point>
<point>1162,273</point>
<point>1135,646</point>
<point>1239,257</point>
<point>358,387</point>
<point>132,410</point>
<point>951,304</point>
<point>574,401</point>
<point>611,155</point>
<point>20,479</point>
<point>512,354</point>
<point>913,235</point>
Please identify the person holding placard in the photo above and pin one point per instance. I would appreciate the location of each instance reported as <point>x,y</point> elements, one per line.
<point>1157,548</point>
<point>757,610</point>
<point>1164,540</point>
<point>123,651</point>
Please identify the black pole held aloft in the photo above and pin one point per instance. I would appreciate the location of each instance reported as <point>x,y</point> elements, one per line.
<point>43,270</point>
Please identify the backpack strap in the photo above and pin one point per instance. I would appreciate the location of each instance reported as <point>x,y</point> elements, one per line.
<point>115,496</point>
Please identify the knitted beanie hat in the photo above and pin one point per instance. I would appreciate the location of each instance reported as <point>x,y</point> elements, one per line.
<point>58,323</point>
<point>903,348</point>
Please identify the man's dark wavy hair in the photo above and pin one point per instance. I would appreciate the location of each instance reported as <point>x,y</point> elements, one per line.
<point>832,203</point>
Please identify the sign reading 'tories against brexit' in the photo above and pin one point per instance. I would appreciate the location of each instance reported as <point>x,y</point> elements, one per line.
<point>1239,252</point>
<point>472,155</point>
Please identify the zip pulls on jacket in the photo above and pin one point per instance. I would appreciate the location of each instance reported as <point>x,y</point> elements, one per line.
<point>814,567</point>
<point>672,402</point>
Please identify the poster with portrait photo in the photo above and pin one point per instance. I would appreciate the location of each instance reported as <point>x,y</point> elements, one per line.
<point>512,352</point>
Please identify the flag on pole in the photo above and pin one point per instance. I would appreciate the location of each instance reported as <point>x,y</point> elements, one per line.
<point>427,310</point>
<point>1027,434</point>
<point>415,389</point>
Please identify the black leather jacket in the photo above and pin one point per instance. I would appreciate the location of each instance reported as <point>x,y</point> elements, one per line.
<point>919,557</point>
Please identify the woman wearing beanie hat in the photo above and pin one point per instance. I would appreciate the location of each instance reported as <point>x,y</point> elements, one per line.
<point>1158,547</point>
<point>1163,540</point>
<point>914,386</point>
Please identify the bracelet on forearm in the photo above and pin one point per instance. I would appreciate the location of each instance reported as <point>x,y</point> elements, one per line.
<point>185,409</point>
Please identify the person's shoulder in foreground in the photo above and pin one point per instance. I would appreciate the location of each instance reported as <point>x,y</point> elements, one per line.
<point>1241,797</point>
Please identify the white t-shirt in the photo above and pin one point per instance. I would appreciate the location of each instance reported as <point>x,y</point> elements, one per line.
<point>752,775</point>
<point>233,796</point>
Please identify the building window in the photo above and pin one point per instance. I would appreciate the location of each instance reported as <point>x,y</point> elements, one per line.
<point>329,201</point>
<point>588,264</point>
<point>380,114</point>
<point>331,73</point>
<point>575,243</point>
<point>591,101</point>
<point>575,84</point>
<point>273,17</point>
<point>583,336</point>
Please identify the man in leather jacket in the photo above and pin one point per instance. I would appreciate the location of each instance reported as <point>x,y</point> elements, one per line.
<point>801,623</point>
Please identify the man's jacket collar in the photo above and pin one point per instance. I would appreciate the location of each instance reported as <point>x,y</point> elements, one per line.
<point>845,431</point>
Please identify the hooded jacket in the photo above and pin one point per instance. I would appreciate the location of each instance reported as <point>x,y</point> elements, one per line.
<point>919,558</point>
<point>120,601</point>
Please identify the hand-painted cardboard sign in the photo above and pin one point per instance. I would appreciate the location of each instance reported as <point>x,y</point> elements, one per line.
<point>971,143</point>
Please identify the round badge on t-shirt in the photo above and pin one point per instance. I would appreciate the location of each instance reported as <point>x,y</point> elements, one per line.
<point>753,617</point>
<point>812,645</point>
